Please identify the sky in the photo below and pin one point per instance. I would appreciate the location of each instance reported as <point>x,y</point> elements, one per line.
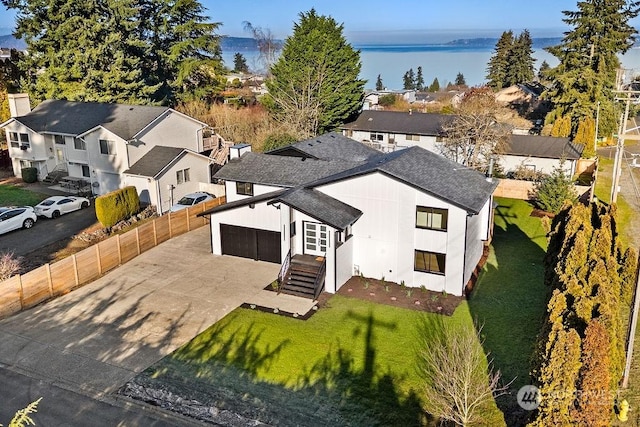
<point>365,20</point>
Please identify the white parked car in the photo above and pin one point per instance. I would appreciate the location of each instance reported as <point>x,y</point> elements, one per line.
<point>55,206</point>
<point>13,218</point>
<point>191,199</point>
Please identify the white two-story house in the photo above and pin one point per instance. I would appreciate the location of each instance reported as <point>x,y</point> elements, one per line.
<point>410,216</point>
<point>391,130</point>
<point>102,143</point>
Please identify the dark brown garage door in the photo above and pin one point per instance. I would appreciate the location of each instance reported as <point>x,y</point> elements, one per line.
<point>262,245</point>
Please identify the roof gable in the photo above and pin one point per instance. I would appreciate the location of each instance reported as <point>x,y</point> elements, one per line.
<point>398,122</point>
<point>155,161</point>
<point>76,118</point>
<point>543,146</point>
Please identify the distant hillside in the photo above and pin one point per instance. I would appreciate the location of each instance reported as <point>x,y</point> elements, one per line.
<point>537,43</point>
<point>10,42</point>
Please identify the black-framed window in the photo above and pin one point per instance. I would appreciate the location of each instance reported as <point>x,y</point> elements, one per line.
<point>292,229</point>
<point>79,144</point>
<point>429,262</point>
<point>183,176</point>
<point>85,171</point>
<point>431,218</point>
<point>107,147</point>
<point>375,136</point>
<point>59,139</point>
<point>244,188</point>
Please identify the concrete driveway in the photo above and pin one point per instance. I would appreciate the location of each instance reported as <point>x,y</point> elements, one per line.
<point>98,337</point>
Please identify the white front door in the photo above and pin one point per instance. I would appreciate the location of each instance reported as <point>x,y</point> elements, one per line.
<point>316,238</point>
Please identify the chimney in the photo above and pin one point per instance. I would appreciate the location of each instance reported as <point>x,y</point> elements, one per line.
<point>19,104</point>
<point>489,177</point>
<point>238,150</point>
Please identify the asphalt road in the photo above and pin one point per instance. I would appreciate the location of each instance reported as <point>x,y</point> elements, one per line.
<point>62,407</point>
<point>47,231</point>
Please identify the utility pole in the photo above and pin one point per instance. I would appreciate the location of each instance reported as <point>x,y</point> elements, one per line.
<point>625,93</point>
<point>632,331</point>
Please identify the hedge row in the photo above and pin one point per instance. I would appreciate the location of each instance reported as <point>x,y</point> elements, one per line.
<point>117,206</point>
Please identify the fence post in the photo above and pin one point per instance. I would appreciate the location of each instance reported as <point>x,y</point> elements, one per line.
<point>155,234</point>
<point>138,239</point>
<point>75,269</point>
<point>119,251</point>
<point>170,228</point>
<point>188,222</point>
<point>48,268</point>
<point>98,258</point>
<point>21,292</point>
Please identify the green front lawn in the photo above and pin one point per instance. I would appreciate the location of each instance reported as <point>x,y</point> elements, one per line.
<point>11,195</point>
<point>352,363</point>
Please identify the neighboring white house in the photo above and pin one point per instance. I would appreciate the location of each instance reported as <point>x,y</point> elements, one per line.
<point>410,216</point>
<point>391,130</point>
<point>100,142</point>
<point>372,99</point>
<point>541,154</point>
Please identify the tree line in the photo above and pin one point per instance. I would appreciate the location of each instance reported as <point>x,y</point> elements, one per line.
<point>415,81</point>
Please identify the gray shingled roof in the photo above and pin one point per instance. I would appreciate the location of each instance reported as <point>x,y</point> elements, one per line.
<point>243,202</point>
<point>428,172</point>
<point>75,118</point>
<point>282,171</point>
<point>398,122</point>
<point>154,161</point>
<point>320,206</point>
<point>543,146</point>
<point>331,146</point>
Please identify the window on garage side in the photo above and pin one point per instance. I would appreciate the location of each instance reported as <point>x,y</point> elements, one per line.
<point>107,147</point>
<point>244,188</point>
<point>431,218</point>
<point>429,262</point>
<point>183,176</point>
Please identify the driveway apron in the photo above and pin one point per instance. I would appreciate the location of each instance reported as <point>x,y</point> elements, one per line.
<point>97,337</point>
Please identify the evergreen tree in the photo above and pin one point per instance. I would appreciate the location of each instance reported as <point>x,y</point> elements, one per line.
<point>116,50</point>
<point>315,85</point>
<point>408,80</point>
<point>434,86</point>
<point>586,134</point>
<point>240,63</point>
<point>498,66</point>
<point>520,69</point>
<point>594,402</point>
<point>588,56</point>
<point>555,190</point>
<point>460,81</point>
<point>379,84</point>
<point>543,71</point>
<point>561,127</point>
<point>419,86</point>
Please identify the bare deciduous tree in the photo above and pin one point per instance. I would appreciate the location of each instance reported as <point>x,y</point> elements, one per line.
<point>9,265</point>
<point>474,134</point>
<point>458,377</point>
<point>268,46</point>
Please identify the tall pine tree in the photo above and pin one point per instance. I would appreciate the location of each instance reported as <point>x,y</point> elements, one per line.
<point>588,56</point>
<point>315,83</point>
<point>498,66</point>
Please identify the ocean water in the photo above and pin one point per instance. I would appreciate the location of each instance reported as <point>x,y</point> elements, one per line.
<point>437,61</point>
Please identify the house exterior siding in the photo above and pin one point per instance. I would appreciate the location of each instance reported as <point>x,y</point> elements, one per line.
<point>172,129</point>
<point>510,163</point>
<point>232,194</point>
<point>393,141</point>
<point>385,238</point>
<point>38,154</point>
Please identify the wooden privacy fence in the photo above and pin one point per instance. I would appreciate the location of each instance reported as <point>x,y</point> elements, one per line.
<point>51,280</point>
<point>525,190</point>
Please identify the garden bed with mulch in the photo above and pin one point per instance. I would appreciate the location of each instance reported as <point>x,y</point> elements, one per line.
<point>393,294</point>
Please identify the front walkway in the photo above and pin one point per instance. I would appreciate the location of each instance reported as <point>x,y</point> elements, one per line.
<point>96,338</point>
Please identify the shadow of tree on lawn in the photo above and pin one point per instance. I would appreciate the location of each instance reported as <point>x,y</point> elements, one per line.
<point>333,390</point>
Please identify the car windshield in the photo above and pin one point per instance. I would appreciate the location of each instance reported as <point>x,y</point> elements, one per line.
<point>47,202</point>
<point>186,201</point>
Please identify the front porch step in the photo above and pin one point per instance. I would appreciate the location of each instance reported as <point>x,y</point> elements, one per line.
<point>301,276</point>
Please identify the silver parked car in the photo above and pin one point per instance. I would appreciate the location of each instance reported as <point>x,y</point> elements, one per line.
<point>13,218</point>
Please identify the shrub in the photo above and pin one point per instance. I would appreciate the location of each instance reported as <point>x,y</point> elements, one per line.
<point>9,265</point>
<point>387,100</point>
<point>117,205</point>
<point>29,175</point>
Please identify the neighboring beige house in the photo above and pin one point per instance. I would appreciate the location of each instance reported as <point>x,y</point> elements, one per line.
<point>99,142</point>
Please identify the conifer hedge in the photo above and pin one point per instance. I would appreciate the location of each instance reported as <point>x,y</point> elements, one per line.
<point>116,206</point>
<point>580,355</point>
